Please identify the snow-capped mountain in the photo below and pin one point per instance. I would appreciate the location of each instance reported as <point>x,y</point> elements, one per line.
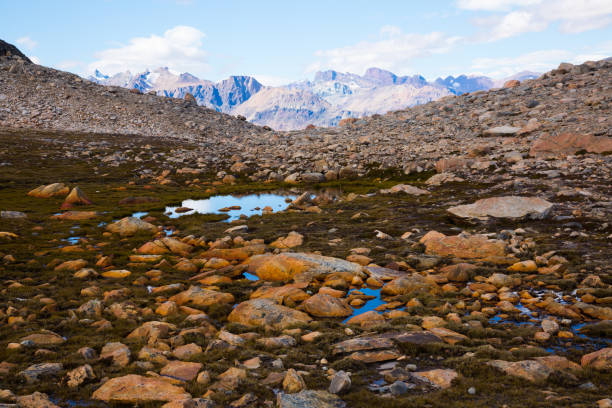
<point>323,101</point>
<point>149,80</point>
<point>221,96</point>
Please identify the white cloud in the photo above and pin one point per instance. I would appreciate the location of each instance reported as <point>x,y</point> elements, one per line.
<point>523,16</point>
<point>394,51</point>
<point>179,48</point>
<point>494,5</point>
<point>34,59</point>
<point>514,23</point>
<point>538,61</point>
<point>26,42</point>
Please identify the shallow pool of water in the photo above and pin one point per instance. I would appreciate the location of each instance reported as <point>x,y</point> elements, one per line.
<point>250,276</point>
<point>251,204</point>
<point>369,304</point>
<point>72,240</point>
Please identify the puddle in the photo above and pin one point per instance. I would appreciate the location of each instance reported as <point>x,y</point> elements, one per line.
<point>250,276</point>
<point>72,240</point>
<point>140,214</point>
<point>251,204</point>
<point>369,304</point>
<point>579,342</point>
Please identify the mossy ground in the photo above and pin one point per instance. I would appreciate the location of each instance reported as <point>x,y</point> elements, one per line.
<point>47,158</point>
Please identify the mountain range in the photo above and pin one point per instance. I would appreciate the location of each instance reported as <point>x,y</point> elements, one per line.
<point>330,97</point>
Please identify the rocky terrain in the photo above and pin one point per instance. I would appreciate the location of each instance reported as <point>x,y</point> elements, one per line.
<point>330,97</point>
<point>451,254</point>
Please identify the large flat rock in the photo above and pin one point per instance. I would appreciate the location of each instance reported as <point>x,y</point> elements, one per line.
<point>504,207</point>
<point>138,389</point>
<point>299,266</point>
<point>264,312</point>
<point>569,143</point>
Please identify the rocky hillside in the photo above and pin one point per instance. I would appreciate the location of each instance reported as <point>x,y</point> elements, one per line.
<point>34,96</point>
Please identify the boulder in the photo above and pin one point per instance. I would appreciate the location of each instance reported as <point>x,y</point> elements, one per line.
<point>407,284</point>
<point>530,370</point>
<point>129,226</point>
<point>406,189</point>
<point>440,378</point>
<point>151,331</point>
<point>569,143</point>
<point>50,190</point>
<point>558,363</point>
<point>44,338</point>
<point>288,295</point>
<point>442,178</point>
<point>182,370</point>
<point>264,312</point>
<point>504,207</point>
<point>323,305</point>
<point>71,266</point>
<point>35,400</point>
<point>117,352</point>
<point>235,254</point>
<point>463,246</point>
<point>461,272</point>
<point>12,215</point>
<point>75,215</point>
<point>197,296</point>
<point>598,360</point>
<point>309,399</point>
<point>80,375</point>
<point>136,389</point>
<point>502,131</point>
<point>340,383</point>
<point>76,197</point>
<point>363,343</point>
<point>33,373</point>
<point>293,239</point>
<point>164,246</point>
<point>596,312</point>
<point>293,382</point>
<point>449,336</point>
<point>299,266</point>
<point>369,318</point>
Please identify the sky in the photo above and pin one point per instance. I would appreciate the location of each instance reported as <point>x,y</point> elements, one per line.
<point>279,42</point>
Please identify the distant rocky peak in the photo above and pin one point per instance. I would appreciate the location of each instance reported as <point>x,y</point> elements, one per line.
<point>380,76</point>
<point>322,76</point>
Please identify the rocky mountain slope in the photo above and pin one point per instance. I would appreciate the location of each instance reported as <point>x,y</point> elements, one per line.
<point>33,96</point>
<point>398,260</point>
<point>324,101</point>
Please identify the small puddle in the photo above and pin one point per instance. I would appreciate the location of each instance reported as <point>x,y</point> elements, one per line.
<point>251,204</point>
<point>140,214</point>
<point>250,276</point>
<point>369,304</point>
<point>575,328</point>
<point>72,240</point>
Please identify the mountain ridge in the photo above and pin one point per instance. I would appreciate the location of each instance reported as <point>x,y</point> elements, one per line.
<point>323,101</point>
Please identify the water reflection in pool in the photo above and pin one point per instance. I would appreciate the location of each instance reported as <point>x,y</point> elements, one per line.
<point>369,305</point>
<point>251,204</point>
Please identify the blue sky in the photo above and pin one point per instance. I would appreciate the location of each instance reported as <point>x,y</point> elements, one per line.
<point>282,41</point>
